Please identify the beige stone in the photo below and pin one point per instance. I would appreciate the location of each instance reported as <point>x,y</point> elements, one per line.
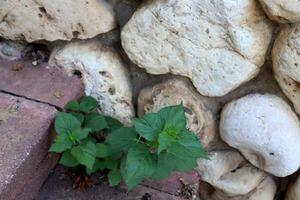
<point>173,92</point>
<point>33,20</point>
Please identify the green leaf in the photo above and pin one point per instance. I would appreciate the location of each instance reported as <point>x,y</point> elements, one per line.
<point>78,116</point>
<point>88,104</point>
<point>164,167</point>
<point>174,117</point>
<point>164,141</point>
<point>110,163</point>
<point>72,105</point>
<point>114,177</point>
<point>68,160</point>
<point>85,154</point>
<point>65,123</point>
<point>97,166</point>
<point>101,150</point>
<point>121,139</point>
<point>149,126</point>
<point>140,164</point>
<point>112,124</point>
<point>95,121</point>
<point>61,144</point>
<point>81,133</point>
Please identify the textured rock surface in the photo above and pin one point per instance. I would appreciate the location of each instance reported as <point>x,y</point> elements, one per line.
<point>287,11</point>
<point>10,50</point>
<point>24,144</point>
<point>105,76</point>
<point>51,20</point>
<point>229,172</point>
<point>173,92</point>
<point>217,45</point>
<point>286,62</point>
<point>293,192</point>
<point>44,84</point>
<point>266,190</point>
<point>265,130</point>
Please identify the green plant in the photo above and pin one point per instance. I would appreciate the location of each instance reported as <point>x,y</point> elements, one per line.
<point>157,144</point>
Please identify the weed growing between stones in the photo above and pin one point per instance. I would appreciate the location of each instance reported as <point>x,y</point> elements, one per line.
<point>156,144</point>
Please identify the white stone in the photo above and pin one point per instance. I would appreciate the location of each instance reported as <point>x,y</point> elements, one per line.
<point>266,190</point>
<point>217,44</point>
<point>293,192</point>
<point>173,92</point>
<point>104,75</point>
<point>265,130</point>
<point>51,20</point>
<point>286,62</point>
<point>283,11</point>
<point>229,172</point>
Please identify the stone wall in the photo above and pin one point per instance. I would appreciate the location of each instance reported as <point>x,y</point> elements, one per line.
<point>235,65</point>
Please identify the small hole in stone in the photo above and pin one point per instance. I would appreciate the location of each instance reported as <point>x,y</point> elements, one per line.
<point>77,73</point>
<point>111,90</point>
<point>271,154</point>
<point>42,9</point>
<point>75,34</point>
<point>103,73</point>
<point>146,196</point>
<point>187,110</point>
<point>40,15</point>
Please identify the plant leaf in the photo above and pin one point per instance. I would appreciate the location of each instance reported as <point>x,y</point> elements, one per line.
<point>97,166</point>
<point>68,160</point>
<point>112,124</point>
<point>101,150</point>
<point>78,116</point>
<point>88,104</point>
<point>174,117</point>
<point>61,144</point>
<point>72,105</point>
<point>81,133</point>
<point>95,121</point>
<point>140,164</point>
<point>149,126</point>
<point>85,154</point>
<point>164,140</point>
<point>65,123</point>
<point>114,177</point>
<point>121,140</point>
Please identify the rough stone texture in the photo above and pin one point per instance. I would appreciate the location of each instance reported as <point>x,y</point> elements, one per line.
<point>59,187</point>
<point>33,20</point>
<point>229,172</point>
<point>286,11</point>
<point>265,130</point>
<point>48,85</point>
<point>105,76</point>
<point>24,144</point>
<point>266,190</point>
<point>293,192</point>
<point>11,50</point>
<point>286,62</point>
<point>173,92</point>
<point>217,45</point>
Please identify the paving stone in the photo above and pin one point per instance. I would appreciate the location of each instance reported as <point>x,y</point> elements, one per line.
<point>41,83</point>
<point>59,187</point>
<point>25,139</point>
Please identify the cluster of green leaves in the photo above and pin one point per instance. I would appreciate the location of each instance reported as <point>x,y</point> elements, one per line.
<point>157,144</point>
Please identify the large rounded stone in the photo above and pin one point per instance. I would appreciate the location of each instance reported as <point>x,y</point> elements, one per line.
<point>173,92</point>
<point>217,44</point>
<point>287,11</point>
<point>293,192</point>
<point>265,130</point>
<point>103,73</point>
<point>286,62</point>
<point>51,20</point>
<point>230,173</point>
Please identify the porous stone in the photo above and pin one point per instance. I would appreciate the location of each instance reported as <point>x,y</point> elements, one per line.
<point>103,73</point>
<point>33,20</point>
<point>293,192</point>
<point>286,11</point>
<point>217,45</point>
<point>25,139</point>
<point>286,62</point>
<point>265,130</point>
<point>266,190</point>
<point>173,92</point>
<point>229,172</point>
